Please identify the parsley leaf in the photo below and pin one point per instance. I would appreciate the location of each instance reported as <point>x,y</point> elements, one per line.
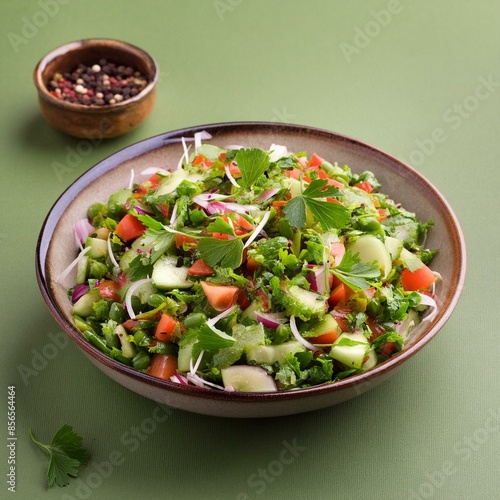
<point>211,339</point>
<point>252,164</point>
<point>220,226</point>
<point>330,215</point>
<point>229,253</point>
<point>66,455</point>
<point>355,273</point>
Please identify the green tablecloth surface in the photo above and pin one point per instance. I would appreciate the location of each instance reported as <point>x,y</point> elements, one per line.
<point>420,80</point>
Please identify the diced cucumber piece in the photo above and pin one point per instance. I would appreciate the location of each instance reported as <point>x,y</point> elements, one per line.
<point>371,361</point>
<point>128,349</point>
<point>350,349</point>
<point>269,354</point>
<point>410,260</point>
<point>295,187</point>
<point>244,378</point>
<point>252,335</point>
<point>394,246</point>
<point>370,249</point>
<point>171,183</point>
<point>98,248</point>
<point>83,306</point>
<point>82,269</point>
<point>184,356</point>
<point>325,325</point>
<point>312,303</point>
<point>408,324</point>
<point>167,275</point>
<point>249,312</point>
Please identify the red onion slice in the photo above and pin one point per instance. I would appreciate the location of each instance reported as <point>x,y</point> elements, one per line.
<point>82,229</point>
<point>271,320</point>
<point>79,291</point>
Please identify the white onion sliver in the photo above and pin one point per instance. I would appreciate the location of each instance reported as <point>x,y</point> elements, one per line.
<point>194,369</point>
<point>186,149</point>
<point>154,170</point>
<point>110,252</point>
<point>200,382</point>
<point>276,152</point>
<point>232,180</point>
<point>213,321</point>
<point>82,228</point>
<point>173,217</point>
<point>234,147</point>
<point>179,379</point>
<point>431,303</point>
<point>65,273</point>
<point>200,136</point>
<point>266,195</point>
<point>130,292</point>
<point>131,182</point>
<point>239,208</point>
<point>299,337</point>
<point>258,229</point>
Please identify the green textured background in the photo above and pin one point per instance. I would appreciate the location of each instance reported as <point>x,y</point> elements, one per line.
<point>432,431</point>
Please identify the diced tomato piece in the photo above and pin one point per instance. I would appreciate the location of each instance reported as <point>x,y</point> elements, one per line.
<point>200,268</point>
<point>181,240</point>
<point>162,366</point>
<point>365,186</point>
<point>220,297</point>
<point>376,328</point>
<point>222,156</point>
<point>129,228</point>
<point>340,295</point>
<point>234,170</point>
<point>388,349</point>
<point>303,161</point>
<point>202,161</point>
<point>337,251</point>
<point>130,323</point>
<point>154,180</point>
<point>109,290</point>
<point>294,173</point>
<point>382,214</point>
<point>139,191</point>
<point>164,209</point>
<point>220,236</point>
<point>315,160</point>
<point>166,326</point>
<point>264,298</point>
<point>251,265</point>
<point>334,182</point>
<point>421,279</point>
<point>339,313</point>
<point>243,300</point>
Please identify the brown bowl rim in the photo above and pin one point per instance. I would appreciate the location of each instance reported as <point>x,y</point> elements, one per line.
<point>160,140</point>
<point>83,108</point>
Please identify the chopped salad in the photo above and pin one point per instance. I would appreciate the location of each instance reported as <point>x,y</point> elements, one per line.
<point>251,270</point>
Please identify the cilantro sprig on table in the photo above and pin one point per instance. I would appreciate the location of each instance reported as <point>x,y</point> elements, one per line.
<point>66,455</point>
<point>329,214</point>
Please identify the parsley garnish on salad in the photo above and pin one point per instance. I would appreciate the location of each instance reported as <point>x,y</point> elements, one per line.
<point>251,270</point>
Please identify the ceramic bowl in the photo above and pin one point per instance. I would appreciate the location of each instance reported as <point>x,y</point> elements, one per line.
<point>85,121</point>
<point>398,180</point>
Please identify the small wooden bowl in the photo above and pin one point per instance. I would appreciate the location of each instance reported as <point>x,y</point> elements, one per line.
<point>86,121</point>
